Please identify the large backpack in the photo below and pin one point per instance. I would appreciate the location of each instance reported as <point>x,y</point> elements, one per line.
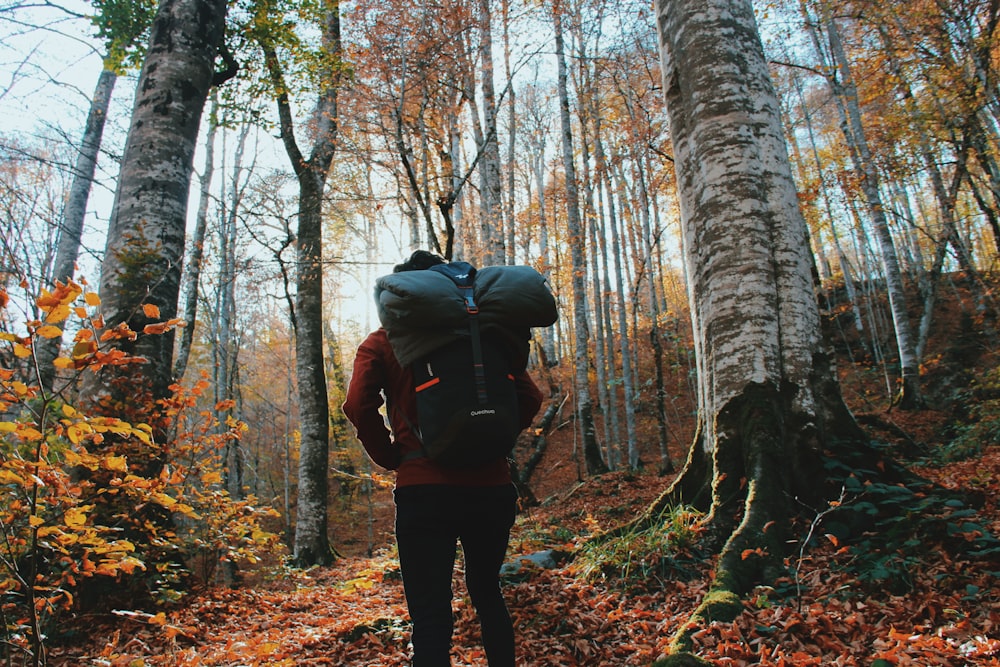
<point>467,407</point>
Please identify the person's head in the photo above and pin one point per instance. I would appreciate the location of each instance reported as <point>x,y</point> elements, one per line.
<point>418,261</point>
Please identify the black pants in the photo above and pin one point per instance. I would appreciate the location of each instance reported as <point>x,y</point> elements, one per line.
<point>430,520</point>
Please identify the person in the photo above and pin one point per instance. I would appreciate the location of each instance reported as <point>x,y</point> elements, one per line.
<point>438,507</point>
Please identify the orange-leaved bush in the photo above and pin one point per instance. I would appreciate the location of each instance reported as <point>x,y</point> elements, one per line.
<point>85,521</point>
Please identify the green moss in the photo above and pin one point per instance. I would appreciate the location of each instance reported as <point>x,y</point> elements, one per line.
<point>681,660</point>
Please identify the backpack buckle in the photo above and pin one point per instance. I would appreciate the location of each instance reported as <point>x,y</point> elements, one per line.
<point>470,301</point>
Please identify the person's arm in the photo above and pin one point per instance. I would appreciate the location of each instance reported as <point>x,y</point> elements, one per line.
<point>362,405</point>
<point>529,398</point>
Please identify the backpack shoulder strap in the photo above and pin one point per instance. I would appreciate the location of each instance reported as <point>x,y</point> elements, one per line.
<point>463,275</point>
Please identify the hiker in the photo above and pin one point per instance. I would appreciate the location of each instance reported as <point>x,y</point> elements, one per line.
<point>438,505</point>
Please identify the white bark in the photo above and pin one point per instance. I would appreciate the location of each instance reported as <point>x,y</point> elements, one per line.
<point>746,246</point>
<point>584,406</point>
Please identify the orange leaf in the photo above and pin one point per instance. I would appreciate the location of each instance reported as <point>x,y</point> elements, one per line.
<point>150,310</point>
<point>92,298</point>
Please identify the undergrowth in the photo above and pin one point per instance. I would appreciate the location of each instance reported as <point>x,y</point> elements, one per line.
<point>890,528</point>
<point>644,558</point>
<point>982,427</point>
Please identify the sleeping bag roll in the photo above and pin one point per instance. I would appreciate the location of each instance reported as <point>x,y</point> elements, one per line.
<point>422,310</point>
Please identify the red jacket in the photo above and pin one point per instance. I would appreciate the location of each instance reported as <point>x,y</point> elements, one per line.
<point>376,371</point>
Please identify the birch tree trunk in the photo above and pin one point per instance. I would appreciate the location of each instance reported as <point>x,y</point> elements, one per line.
<point>491,215</point>
<point>842,84</point>
<point>768,400</point>
<point>584,407</point>
<point>145,247</point>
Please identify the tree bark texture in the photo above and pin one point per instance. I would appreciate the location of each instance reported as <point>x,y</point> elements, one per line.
<point>491,221</point>
<point>145,247</point>
<point>767,396</point>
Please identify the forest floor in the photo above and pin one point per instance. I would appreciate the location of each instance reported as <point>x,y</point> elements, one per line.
<point>353,613</point>
<point>924,602</point>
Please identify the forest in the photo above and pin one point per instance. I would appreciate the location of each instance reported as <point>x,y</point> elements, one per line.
<point>771,428</point>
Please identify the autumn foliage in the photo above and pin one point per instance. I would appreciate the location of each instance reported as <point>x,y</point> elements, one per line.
<point>83,523</point>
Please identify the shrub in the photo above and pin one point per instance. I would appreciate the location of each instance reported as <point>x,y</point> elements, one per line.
<point>83,523</point>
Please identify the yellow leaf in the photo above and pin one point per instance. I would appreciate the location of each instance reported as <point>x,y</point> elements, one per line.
<point>62,362</point>
<point>58,314</point>
<point>164,499</point>
<point>9,337</point>
<point>150,310</point>
<point>21,351</point>
<point>7,427</point>
<point>49,331</point>
<point>76,432</point>
<point>35,520</point>
<point>9,477</point>
<point>75,518</point>
<point>116,463</point>
<point>159,619</point>
<point>68,410</point>
<point>211,478</point>
<point>92,299</point>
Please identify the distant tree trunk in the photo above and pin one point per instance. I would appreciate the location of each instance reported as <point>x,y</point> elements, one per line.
<point>312,542</point>
<point>145,248</point>
<point>192,269</point>
<point>226,349</point>
<point>768,399</point>
<point>511,137</point>
<point>75,211</point>
<point>842,84</point>
<point>628,374</point>
<point>655,339</point>
<point>584,408</point>
<point>491,217</point>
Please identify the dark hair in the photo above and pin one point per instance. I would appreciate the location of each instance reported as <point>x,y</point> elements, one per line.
<point>418,261</point>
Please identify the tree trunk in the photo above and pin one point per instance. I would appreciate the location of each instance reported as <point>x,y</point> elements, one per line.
<point>584,408</point>
<point>491,215</point>
<point>75,211</point>
<point>628,375</point>
<point>192,269</point>
<point>909,395</point>
<point>768,400</point>
<point>312,542</point>
<point>145,248</point>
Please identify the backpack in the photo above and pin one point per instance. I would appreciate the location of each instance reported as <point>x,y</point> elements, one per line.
<point>467,406</point>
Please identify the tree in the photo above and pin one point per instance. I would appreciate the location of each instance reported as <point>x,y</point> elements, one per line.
<point>845,92</point>
<point>312,543</point>
<point>575,231</point>
<point>122,25</point>
<point>74,213</point>
<point>768,400</point>
<point>145,247</point>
